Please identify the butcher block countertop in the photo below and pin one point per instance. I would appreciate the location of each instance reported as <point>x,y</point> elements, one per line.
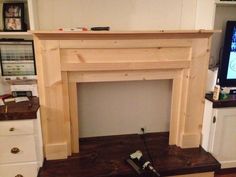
<point>20,111</point>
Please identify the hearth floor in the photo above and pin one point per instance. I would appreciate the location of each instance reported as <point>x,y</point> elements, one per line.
<point>105,157</point>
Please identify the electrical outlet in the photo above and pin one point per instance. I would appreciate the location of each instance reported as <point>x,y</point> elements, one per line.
<point>142,129</point>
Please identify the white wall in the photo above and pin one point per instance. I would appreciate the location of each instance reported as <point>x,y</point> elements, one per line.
<point>118,14</point>
<point>153,111</point>
<point>223,14</point>
<point>205,14</point>
<point>114,108</point>
<point>120,108</point>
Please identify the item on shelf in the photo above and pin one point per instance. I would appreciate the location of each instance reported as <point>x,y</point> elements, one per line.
<point>22,93</point>
<point>74,29</point>
<point>9,100</point>
<point>216,92</point>
<point>224,94</point>
<point>20,99</point>
<point>13,17</point>
<point>100,28</point>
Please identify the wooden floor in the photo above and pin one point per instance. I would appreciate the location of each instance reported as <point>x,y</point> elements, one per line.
<point>106,157</point>
<point>226,173</point>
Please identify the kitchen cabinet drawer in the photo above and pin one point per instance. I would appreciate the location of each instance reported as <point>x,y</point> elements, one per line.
<point>22,170</point>
<point>15,149</point>
<point>22,127</point>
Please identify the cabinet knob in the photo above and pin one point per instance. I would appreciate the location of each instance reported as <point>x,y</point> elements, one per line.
<point>214,119</point>
<point>15,150</point>
<point>19,175</point>
<point>12,129</point>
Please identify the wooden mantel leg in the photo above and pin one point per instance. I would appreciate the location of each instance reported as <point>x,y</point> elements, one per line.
<point>66,106</point>
<point>74,116</point>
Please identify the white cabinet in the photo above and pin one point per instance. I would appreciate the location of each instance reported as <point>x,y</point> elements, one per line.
<point>21,148</point>
<point>219,134</point>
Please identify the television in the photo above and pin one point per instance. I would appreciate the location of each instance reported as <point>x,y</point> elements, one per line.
<point>17,59</point>
<point>227,68</point>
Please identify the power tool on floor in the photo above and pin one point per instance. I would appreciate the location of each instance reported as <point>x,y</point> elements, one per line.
<point>143,167</point>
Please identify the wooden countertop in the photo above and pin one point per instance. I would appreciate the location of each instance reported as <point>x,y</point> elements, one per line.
<point>106,156</point>
<point>229,102</point>
<point>20,111</point>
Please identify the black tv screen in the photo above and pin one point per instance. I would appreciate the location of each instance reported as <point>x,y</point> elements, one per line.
<point>227,74</point>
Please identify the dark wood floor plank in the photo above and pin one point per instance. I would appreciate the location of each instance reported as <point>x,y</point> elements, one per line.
<point>228,172</point>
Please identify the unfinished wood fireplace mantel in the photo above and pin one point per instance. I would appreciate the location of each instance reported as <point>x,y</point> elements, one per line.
<point>66,58</point>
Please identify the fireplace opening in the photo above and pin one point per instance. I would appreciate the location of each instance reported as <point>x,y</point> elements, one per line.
<point>120,108</point>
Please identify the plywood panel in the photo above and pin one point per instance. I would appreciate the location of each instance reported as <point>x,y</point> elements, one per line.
<point>124,43</point>
<point>56,151</point>
<point>198,75</point>
<point>178,106</point>
<point>51,95</point>
<point>108,76</point>
<point>124,66</point>
<point>125,55</point>
<point>66,108</point>
<point>198,78</point>
<point>124,59</point>
<point>41,88</point>
<point>74,116</point>
<point>184,103</point>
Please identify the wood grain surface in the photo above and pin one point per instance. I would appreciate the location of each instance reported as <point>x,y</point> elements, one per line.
<point>20,111</point>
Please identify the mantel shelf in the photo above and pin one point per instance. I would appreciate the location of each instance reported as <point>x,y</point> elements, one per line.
<point>200,31</point>
<point>15,34</point>
<point>226,3</point>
